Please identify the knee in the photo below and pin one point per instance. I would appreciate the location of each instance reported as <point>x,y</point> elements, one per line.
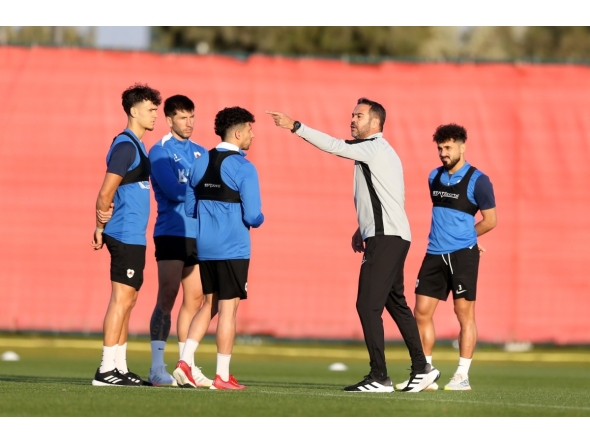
<point>421,317</point>
<point>465,318</point>
<point>193,301</point>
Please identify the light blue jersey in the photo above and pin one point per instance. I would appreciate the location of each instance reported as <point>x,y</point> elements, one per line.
<point>171,161</point>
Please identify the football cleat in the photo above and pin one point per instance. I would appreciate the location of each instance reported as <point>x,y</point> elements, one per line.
<point>231,384</point>
<point>200,379</point>
<point>419,381</point>
<point>136,379</point>
<point>159,377</point>
<point>112,378</point>
<point>370,384</point>
<point>182,374</point>
<point>458,382</point>
<point>403,385</point>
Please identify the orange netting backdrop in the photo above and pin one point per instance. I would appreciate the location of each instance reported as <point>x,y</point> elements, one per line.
<point>528,127</point>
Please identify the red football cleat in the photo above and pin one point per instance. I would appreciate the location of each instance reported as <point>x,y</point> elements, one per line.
<point>232,384</point>
<point>183,375</point>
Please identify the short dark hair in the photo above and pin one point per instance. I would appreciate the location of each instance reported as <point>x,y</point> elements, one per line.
<point>138,93</point>
<point>448,132</point>
<point>174,104</point>
<point>376,110</point>
<point>229,117</point>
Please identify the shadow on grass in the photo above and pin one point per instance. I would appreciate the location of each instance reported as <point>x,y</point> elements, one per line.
<point>290,385</point>
<point>45,379</point>
<point>87,381</point>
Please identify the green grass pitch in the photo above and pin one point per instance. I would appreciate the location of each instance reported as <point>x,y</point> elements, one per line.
<point>290,379</point>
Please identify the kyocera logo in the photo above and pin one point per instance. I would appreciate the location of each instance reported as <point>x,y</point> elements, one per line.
<point>212,185</point>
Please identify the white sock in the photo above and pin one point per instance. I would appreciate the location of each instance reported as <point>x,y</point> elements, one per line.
<point>429,360</point>
<point>190,362</point>
<point>108,359</point>
<point>158,353</point>
<point>223,366</point>
<point>121,358</point>
<point>188,351</point>
<point>463,368</point>
<point>180,348</point>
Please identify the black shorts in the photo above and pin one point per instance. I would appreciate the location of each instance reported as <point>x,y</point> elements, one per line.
<point>229,278</point>
<point>176,248</point>
<point>443,273</point>
<point>127,262</point>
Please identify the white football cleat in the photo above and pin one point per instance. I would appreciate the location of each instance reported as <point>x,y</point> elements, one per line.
<point>419,381</point>
<point>458,382</point>
<point>403,385</point>
<point>200,379</point>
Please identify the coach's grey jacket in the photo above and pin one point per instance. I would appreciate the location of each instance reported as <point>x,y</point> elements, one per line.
<point>378,181</point>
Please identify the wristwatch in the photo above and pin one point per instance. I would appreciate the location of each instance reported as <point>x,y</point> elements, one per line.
<point>296,126</point>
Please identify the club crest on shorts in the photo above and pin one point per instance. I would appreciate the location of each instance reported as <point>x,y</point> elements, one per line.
<point>246,287</point>
<point>130,273</point>
<point>417,282</point>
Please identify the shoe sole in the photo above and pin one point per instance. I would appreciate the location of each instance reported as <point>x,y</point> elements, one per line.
<point>106,384</point>
<point>458,389</point>
<point>182,380</point>
<point>388,390</point>
<point>225,388</point>
<point>431,388</point>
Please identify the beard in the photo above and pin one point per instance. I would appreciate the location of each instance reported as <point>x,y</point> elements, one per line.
<point>361,132</point>
<point>451,164</point>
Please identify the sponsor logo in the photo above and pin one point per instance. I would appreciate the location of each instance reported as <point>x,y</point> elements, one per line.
<point>445,194</point>
<point>212,185</point>
<point>182,176</point>
<point>460,290</point>
<point>144,184</point>
<point>130,273</point>
<point>176,158</point>
<point>364,260</point>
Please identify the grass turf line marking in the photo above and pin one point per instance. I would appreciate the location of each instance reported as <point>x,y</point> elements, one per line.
<point>302,352</point>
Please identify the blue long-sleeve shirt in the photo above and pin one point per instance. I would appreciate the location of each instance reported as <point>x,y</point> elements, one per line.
<point>223,228</point>
<point>171,161</point>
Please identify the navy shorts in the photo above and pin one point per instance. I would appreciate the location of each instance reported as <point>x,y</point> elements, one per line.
<point>442,273</point>
<point>127,262</point>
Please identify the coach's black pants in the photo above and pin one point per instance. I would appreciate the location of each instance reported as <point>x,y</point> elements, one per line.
<point>381,285</point>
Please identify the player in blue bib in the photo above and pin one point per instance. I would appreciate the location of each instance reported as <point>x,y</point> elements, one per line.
<point>125,186</point>
<point>458,192</point>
